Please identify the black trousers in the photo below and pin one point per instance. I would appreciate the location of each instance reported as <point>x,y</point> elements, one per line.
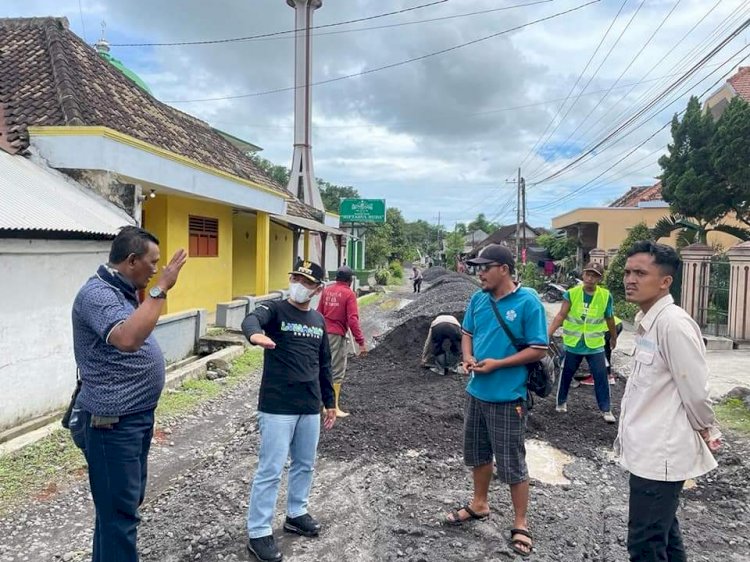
<point>417,285</point>
<point>653,531</point>
<point>608,349</point>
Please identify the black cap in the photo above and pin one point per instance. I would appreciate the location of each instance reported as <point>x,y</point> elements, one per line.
<point>494,253</point>
<point>344,273</point>
<point>310,270</point>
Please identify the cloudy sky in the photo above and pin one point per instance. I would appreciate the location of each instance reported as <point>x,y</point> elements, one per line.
<point>442,134</point>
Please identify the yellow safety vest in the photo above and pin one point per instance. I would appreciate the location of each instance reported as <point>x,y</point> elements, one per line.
<point>593,326</point>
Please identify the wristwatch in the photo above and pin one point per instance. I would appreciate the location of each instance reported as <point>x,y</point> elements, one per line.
<point>157,292</point>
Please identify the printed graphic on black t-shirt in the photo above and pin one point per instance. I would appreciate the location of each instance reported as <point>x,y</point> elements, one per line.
<point>297,373</point>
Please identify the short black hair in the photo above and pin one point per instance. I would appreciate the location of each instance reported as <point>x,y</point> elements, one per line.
<point>130,240</point>
<point>664,256</point>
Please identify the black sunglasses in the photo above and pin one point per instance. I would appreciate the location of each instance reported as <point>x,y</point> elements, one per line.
<point>485,267</point>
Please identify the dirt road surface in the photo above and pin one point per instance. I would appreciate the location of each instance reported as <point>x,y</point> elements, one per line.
<point>387,475</point>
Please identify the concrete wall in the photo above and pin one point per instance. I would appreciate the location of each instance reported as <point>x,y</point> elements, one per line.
<point>203,281</point>
<point>614,223</point>
<point>178,333</point>
<point>281,259</point>
<point>244,255</point>
<point>40,279</point>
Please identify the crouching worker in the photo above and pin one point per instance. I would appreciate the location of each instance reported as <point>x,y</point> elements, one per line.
<point>442,348</point>
<point>296,379</point>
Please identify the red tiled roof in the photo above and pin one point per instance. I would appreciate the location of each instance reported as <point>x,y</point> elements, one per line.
<point>639,194</point>
<point>50,76</point>
<point>741,82</point>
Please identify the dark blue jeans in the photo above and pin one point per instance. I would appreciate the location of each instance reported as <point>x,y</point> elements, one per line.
<point>117,460</point>
<point>597,364</point>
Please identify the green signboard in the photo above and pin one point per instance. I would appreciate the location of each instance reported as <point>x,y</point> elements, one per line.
<point>362,210</point>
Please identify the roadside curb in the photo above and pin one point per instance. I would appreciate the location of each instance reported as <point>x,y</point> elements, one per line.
<point>35,430</point>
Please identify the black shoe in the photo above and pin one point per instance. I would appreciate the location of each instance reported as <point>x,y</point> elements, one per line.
<point>303,525</point>
<point>264,549</point>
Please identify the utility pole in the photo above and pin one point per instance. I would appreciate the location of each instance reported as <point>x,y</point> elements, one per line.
<point>523,216</point>
<point>518,215</point>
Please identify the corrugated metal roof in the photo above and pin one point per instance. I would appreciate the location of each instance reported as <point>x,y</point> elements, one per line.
<point>33,197</point>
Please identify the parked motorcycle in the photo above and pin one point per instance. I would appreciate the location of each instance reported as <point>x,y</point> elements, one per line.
<point>553,292</point>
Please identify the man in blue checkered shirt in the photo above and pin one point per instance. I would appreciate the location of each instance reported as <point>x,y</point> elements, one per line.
<point>122,375</point>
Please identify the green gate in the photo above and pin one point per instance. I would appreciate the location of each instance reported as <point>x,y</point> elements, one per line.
<point>713,307</point>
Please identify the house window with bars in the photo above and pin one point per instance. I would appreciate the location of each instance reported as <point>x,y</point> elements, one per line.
<point>204,237</point>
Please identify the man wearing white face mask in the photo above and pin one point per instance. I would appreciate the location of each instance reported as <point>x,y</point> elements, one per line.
<point>296,380</point>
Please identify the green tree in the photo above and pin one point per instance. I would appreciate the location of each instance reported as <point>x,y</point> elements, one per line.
<point>559,246</point>
<point>616,269</point>
<point>461,228</point>
<point>387,242</point>
<point>422,236</point>
<point>481,223</point>
<point>280,174</point>
<point>454,245</point>
<point>332,194</point>
<point>731,156</point>
<point>690,183</point>
<point>690,232</point>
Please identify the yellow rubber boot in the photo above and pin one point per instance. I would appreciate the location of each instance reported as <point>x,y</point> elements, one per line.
<point>336,394</point>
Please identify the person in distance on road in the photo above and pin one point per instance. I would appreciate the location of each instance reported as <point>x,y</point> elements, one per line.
<point>496,410</point>
<point>296,379</point>
<point>416,277</point>
<point>667,425</point>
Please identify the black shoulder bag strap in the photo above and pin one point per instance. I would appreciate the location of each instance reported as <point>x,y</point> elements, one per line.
<point>517,343</point>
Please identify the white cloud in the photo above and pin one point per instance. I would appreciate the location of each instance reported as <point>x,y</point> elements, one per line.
<point>432,136</point>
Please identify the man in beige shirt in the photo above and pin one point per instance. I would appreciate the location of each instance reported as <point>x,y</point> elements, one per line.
<point>667,425</point>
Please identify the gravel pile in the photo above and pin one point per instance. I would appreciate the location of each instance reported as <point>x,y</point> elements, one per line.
<point>432,273</point>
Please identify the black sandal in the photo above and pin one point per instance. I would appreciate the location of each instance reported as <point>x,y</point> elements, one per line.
<point>456,520</point>
<point>514,543</point>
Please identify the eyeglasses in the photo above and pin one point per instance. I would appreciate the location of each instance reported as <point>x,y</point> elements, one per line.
<point>485,267</point>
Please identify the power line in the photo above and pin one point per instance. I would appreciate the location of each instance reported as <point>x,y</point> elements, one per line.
<point>276,33</point>
<point>598,68</point>
<point>684,62</point>
<point>396,64</point>
<point>406,23</point>
<point>667,124</point>
<point>662,59</point>
<point>470,114</point>
<point>630,64</point>
<point>565,100</point>
<point>653,103</point>
<point>656,112</point>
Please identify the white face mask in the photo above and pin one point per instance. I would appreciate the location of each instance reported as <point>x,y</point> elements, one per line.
<point>299,293</point>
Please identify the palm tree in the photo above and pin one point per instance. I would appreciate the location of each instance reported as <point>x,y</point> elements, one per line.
<point>690,232</point>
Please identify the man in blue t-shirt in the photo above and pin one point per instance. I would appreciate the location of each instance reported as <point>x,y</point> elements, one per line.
<point>121,378</point>
<point>586,315</point>
<point>495,413</point>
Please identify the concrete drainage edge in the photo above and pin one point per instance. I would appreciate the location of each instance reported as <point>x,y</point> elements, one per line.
<point>44,425</point>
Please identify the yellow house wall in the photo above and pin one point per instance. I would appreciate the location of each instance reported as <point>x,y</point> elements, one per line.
<point>244,254</point>
<point>203,281</point>
<point>282,240</point>
<point>614,224</point>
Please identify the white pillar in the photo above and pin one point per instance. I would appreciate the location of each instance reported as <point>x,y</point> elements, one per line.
<point>696,272</point>
<point>739,292</point>
<point>302,177</point>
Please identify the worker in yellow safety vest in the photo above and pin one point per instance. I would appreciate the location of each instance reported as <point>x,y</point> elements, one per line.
<point>587,313</point>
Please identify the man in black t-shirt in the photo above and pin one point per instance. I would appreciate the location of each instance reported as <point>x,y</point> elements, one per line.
<point>296,379</point>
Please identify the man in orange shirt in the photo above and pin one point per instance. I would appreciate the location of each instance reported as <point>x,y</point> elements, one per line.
<point>338,305</point>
